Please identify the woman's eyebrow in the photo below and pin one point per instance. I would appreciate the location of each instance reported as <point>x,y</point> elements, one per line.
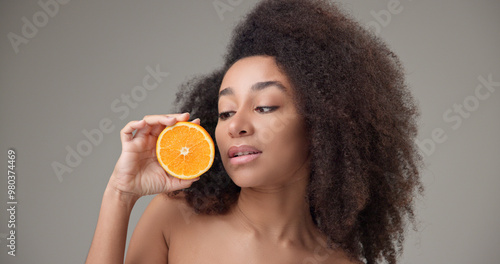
<point>262,85</point>
<point>226,91</point>
<point>256,87</point>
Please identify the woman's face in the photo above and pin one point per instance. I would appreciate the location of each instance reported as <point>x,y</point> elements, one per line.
<point>261,137</point>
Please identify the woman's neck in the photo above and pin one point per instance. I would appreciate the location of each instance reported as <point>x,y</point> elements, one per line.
<point>280,214</point>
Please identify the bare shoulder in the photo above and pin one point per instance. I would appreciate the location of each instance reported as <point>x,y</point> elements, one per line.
<point>167,211</point>
<point>346,261</point>
<point>341,258</point>
<point>327,255</point>
<point>151,238</point>
<point>322,255</point>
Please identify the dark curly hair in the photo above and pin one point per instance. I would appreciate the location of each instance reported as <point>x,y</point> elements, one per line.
<point>359,113</point>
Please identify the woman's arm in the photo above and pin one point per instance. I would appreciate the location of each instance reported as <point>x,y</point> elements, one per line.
<point>149,242</point>
<point>108,245</point>
<point>137,173</point>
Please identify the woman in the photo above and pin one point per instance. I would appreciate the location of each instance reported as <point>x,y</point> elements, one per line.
<point>316,162</point>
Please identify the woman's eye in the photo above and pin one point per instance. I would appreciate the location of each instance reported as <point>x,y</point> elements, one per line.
<point>225,115</point>
<point>258,109</point>
<point>266,109</point>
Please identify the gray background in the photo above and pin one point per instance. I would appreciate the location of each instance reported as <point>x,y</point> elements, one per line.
<point>89,54</point>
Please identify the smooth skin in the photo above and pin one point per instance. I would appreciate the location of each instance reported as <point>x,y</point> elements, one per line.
<point>269,223</point>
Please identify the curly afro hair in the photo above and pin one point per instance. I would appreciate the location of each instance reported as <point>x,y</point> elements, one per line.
<point>359,113</point>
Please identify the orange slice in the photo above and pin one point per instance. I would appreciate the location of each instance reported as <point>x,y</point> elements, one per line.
<point>185,150</point>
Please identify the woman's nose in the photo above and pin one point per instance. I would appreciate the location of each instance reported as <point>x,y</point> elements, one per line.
<point>240,125</point>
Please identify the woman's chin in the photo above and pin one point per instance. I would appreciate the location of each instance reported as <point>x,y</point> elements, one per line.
<point>247,180</point>
<point>244,182</point>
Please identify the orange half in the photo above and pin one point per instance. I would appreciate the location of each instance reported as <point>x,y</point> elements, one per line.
<point>185,150</point>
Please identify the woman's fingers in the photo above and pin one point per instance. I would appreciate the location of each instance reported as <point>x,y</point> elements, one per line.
<point>177,184</point>
<point>156,131</point>
<point>167,120</point>
<point>127,133</point>
<point>152,125</point>
<point>143,132</point>
<point>161,121</point>
<point>196,121</point>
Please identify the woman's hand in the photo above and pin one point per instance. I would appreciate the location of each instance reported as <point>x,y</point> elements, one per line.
<point>137,171</point>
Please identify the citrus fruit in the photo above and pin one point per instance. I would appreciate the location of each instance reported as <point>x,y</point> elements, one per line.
<point>185,150</point>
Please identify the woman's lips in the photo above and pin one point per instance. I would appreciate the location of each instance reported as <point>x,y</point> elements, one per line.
<point>244,159</point>
<point>242,154</point>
